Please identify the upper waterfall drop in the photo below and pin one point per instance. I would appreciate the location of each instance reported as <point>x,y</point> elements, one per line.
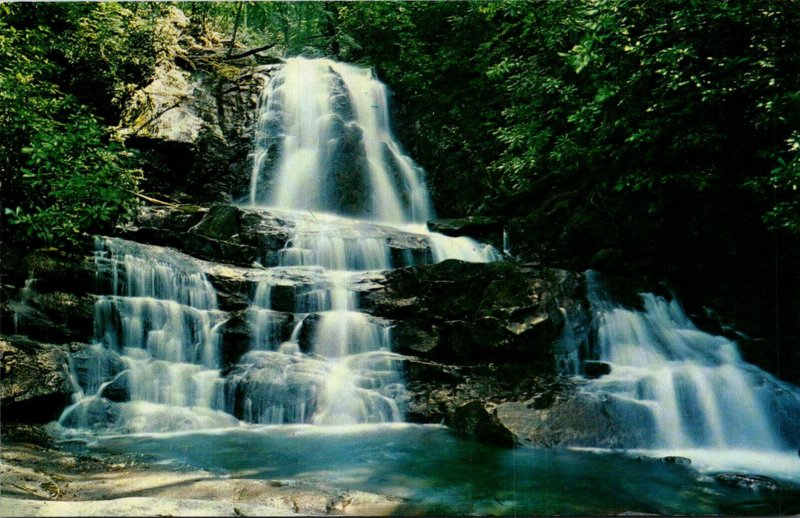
<point>324,144</point>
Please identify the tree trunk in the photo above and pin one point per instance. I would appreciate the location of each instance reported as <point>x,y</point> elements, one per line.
<point>235,28</point>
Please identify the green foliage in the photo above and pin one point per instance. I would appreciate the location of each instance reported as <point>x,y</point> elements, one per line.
<point>62,176</point>
<point>109,52</point>
<point>782,184</point>
<point>295,27</point>
<point>76,181</point>
<point>429,53</point>
<point>667,99</point>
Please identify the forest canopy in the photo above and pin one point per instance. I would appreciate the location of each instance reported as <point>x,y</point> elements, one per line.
<point>612,131</point>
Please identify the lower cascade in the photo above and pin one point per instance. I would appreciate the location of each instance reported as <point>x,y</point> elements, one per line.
<point>156,361</point>
<point>684,389</point>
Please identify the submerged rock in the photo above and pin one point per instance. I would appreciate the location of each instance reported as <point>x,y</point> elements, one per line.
<point>682,461</point>
<point>595,369</point>
<point>474,419</point>
<point>755,482</point>
<point>574,419</point>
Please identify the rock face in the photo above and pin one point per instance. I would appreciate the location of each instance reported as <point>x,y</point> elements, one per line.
<point>35,384</point>
<point>755,482</point>
<point>468,313</point>
<point>193,124</point>
<point>469,398</point>
<point>482,228</point>
<point>48,295</point>
<point>480,340</point>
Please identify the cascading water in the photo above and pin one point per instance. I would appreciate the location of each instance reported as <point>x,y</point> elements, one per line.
<point>160,323</point>
<point>324,146</point>
<point>324,156</point>
<point>690,390</point>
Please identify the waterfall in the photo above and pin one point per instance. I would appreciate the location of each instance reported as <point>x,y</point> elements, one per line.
<point>325,149</point>
<point>691,388</point>
<point>324,143</point>
<point>161,323</point>
<point>325,157</point>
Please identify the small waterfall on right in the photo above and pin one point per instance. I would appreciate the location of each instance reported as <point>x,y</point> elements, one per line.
<point>694,388</point>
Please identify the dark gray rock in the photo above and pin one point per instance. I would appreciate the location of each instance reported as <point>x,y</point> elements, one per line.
<point>117,390</point>
<point>94,365</point>
<point>574,419</point>
<point>35,384</point>
<point>473,419</point>
<point>439,393</point>
<point>595,369</point>
<point>482,228</point>
<point>755,482</point>
<point>682,461</point>
<point>472,313</point>
<point>194,127</point>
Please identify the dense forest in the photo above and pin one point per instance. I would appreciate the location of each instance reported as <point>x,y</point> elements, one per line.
<point>655,139</point>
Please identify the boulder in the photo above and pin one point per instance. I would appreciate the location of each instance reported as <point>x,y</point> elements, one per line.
<point>482,228</point>
<point>473,400</point>
<point>572,419</point>
<point>53,317</point>
<point>681,461</point>
<point>194,126</point>
<point>223,233</point>
<point>458,312</point>
<point>742,480</point>
<point>595,369</point>
<point>94,365</point>
<point>473,419</point>
<point>35,385</point>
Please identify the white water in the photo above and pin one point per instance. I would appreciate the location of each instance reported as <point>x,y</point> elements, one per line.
<point>323,133</point>
<point>311,109</point>
<point>316,359</point>
<point>693,389</point>
<point>161,319</point>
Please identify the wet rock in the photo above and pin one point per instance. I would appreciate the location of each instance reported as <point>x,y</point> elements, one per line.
<point>234,287</point>
<point>437,392</point>
<point>194,126</point>
<point>271,387</point>
<point>420,371</point>
<point>117,390</point>
<point>572,419</point>
<point>21,433</point>
<point>220,223</point>
<point>466,313</point>
<point>56,271</point>
<point>409,339</point>
<point>94,365</point>
<point>53,317</point>
<point>236,338</point>
<point>595,369</point>
<point>474,419</point>
<point>755,482</point>
<point>35,384</point>
<point>482,228</point>
<point>223,233</point>
<point>681,461</point>
<point>238,332</point>
<point>177,219</point>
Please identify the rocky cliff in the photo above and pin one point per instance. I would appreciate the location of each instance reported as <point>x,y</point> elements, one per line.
<point>481,342</point>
